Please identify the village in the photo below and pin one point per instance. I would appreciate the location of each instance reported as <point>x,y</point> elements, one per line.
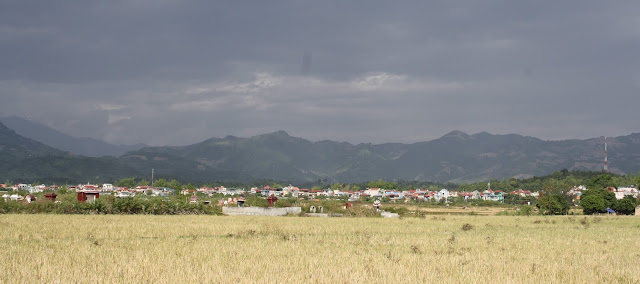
<point>90,192</point>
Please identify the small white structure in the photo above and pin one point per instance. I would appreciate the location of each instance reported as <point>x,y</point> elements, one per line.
<point>442,194</point>
<point>34,189</point>
<point>124,194</point>
<point>107,187</point>
<point>386,214</point>
<point>29,198</point>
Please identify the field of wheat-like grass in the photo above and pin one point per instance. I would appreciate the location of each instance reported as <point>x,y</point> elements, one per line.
<point>217,249</point>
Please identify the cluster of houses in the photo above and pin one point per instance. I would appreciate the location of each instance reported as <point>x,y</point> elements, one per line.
<point>89,192</point>
<point>373,193</point>
<point>28,187</point>
<point>86,192</point>
<point>620,192</point>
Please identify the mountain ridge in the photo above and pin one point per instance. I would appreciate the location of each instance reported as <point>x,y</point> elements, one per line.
<point>454,157</point>
<point>85,146</point>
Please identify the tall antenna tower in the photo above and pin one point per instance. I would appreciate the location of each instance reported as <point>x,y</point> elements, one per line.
<point>606,163</point>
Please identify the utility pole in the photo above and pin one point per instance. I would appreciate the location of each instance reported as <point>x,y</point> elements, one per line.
<point>152,176</point>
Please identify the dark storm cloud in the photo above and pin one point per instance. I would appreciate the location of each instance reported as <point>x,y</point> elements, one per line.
<point>176,72</point>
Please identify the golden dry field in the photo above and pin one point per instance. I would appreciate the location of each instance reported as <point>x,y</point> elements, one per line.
<point>217,249</point>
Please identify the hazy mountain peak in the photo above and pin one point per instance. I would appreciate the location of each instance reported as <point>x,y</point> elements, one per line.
<point>456,134</point>
<point>483,133</point>
<point>279,133</point>
<point>13,145</point>
<point>81,146</point>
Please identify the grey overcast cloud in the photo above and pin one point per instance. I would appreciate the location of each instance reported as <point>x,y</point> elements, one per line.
<point>179,72</point>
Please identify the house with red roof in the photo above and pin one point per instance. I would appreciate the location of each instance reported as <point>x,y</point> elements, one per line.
<point>316,192</point>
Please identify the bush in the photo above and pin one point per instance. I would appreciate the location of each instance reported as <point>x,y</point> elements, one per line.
<point>400,210</point>
<point>111,205</point>
<point>256,202</point>
<point>361,211</point>
<point>467,227</point>
<point>284,202</point>
<point>525,210</point>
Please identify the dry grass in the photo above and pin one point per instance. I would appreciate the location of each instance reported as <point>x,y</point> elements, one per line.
<point>459,210</point>
<point>214,249</point>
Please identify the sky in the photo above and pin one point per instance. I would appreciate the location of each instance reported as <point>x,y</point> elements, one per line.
<point>178,72</point>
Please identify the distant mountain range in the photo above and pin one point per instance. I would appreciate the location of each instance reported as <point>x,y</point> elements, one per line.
<point>89,147</point>
<point>455,157</point>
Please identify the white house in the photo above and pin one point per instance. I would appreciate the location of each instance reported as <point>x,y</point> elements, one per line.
<point>442,194</point>
<point>34,189</point>
<point>621,192</point>
<point>107,187</point>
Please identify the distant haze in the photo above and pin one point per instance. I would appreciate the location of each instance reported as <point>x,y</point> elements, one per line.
<point>179,72</point>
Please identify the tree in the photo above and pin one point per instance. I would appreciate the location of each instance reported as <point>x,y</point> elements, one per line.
<point>143,182</point>
<point>597,200</point>
<point>513,183</point>
<point>626,206</point>
<point>516,199</point>
<point>592,204</point>
<point>550,185</point>
<point>382,184</point>
<point>601,182</point>
<point>553,204</point>
<point>161,183</point>
<point>126,182</point>
<point>63,190</point>
<point>174,184</point>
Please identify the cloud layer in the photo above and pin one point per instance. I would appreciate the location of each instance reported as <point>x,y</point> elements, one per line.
<point>178,72</point>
